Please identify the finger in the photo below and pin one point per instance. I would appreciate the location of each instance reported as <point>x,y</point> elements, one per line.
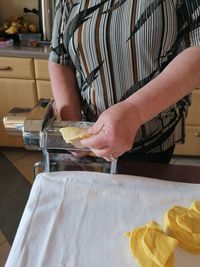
<point>79,154</point>
<point>94,129</point>
<point>108,159</point>
<point>97,141</point>
<point>105,154</point>
<point>101,153</point>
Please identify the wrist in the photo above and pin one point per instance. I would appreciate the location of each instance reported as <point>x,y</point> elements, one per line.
<point>134,112</point>
<point>152,99</point>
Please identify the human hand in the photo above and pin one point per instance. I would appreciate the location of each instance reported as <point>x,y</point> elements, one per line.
<point>114,132</point>
<point>80,154</point>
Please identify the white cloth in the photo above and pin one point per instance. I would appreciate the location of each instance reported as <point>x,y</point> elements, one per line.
<point>78,219</point>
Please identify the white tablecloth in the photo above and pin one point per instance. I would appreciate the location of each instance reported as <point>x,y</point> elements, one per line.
<point>78,219</point>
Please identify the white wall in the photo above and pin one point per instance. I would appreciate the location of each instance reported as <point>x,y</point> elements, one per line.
<point>10,8</point>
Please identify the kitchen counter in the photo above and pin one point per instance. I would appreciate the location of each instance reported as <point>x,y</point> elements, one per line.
<point>19,51</point>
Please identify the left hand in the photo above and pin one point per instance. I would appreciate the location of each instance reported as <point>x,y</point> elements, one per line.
<point>114,132</point>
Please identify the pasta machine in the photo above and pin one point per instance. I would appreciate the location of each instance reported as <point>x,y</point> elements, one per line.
<point>40,128</point>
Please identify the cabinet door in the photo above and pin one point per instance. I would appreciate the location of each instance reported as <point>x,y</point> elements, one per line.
<point>191,147</point>
<point>41,69</point>
<point>44,89</point>
<point>17,68</point>
<point>193,117</point>
<point>15,93</point>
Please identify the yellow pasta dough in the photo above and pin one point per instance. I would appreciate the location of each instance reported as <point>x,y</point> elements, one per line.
<point>190,224</point>
<point>158,246</point>
<point>195,206</point>
<point>151,247</point>
<point>184,225</point>
<point>71,134</point>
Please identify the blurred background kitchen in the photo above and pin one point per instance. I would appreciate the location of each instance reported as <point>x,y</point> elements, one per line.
<point>14,7</point>
<point>37,15</point>
<point>24,79</point>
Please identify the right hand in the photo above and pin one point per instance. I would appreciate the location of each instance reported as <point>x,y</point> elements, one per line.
<point>114,132</point>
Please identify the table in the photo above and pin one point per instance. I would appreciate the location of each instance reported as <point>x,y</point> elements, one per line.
<point>78,218</point>
<point>171,172</point>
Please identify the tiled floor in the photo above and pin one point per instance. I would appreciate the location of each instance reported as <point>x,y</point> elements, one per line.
<point>24,161</point>
<point>4,249</point>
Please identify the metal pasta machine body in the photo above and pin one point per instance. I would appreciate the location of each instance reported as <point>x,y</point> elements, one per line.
<point>40,129</point>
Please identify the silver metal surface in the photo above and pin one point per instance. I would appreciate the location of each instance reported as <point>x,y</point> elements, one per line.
<point>35,123</point>
<point>113,167</point>
<point>38,165</point>
<point>14,121</point>
<point>51,136</point>
<point>46,13</point>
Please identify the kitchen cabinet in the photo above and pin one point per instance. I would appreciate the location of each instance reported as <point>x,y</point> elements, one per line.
<point>17,89</point>
<point>22,82</point>
<point>44,89</point>
<point>42,78</point>
<point>19,68</point>
<point>191,146</point>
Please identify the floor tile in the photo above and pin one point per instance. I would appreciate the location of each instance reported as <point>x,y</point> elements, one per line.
<point>11,181</point>
<point>4,251</point>
<point>4,163</point>
<point>14,154</point>
<point>11,210</point>
<point>26,165</point>
<point>2,237</point>
<point>14,192</point>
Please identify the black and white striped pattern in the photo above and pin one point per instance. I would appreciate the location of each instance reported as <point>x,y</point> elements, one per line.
<point>118,46</point>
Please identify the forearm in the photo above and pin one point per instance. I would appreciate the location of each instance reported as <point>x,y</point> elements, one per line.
<point>65,91</point>
<point>177,80</point>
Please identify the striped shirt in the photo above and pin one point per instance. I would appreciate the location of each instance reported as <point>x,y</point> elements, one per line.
<point>118,46</point>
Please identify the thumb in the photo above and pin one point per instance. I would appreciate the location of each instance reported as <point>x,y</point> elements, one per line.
<point>92,140</point>
<point>94,129</point>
